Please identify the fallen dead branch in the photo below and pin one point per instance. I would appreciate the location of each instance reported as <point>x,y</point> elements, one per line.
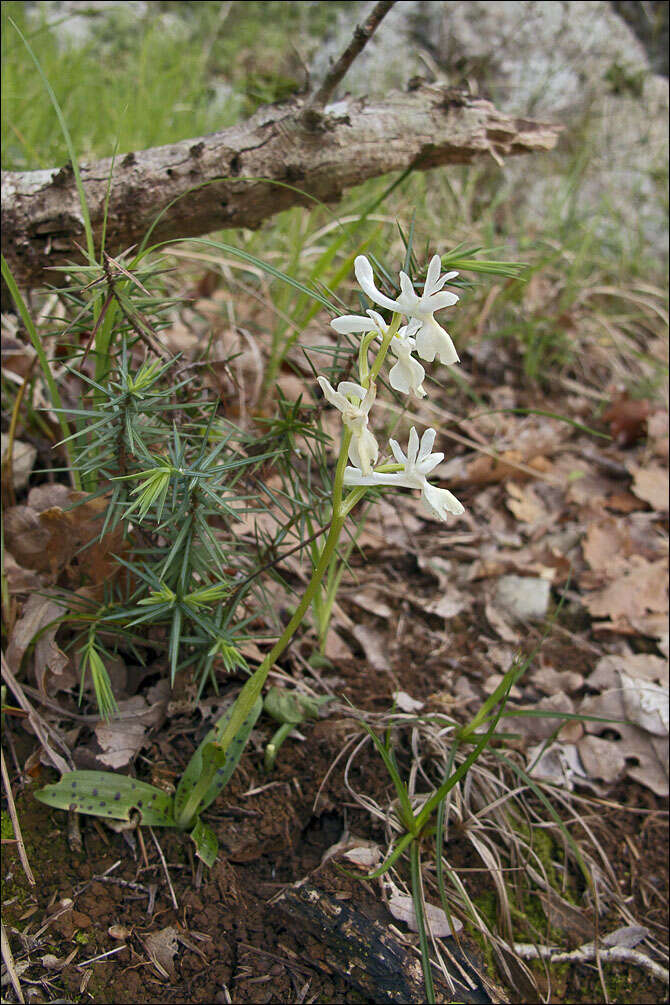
<point>243,175</point>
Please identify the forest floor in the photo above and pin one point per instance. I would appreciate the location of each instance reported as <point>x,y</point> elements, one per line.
<point>430,619</point>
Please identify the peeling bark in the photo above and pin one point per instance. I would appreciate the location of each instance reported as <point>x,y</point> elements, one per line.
<point>319,154</point>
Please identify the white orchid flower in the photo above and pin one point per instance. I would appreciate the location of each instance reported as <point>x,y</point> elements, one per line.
<point>416,465</point>
<point>407,374</point>
<point>431,339</point>
<point>363,448</point>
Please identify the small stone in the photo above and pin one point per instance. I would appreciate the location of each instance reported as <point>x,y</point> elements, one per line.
<point>525,598</point>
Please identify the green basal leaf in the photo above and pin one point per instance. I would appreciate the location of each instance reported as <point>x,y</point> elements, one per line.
<point>206,843</point>
<point>208,751</point>
<point>105,794</point>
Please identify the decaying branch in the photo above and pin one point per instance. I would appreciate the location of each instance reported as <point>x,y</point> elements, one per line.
<point>245,174</point>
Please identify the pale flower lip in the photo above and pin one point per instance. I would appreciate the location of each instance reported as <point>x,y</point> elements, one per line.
<point>431,339</point>
<point>363,448</point>
<point>407,374</point>
<point>416,465</point>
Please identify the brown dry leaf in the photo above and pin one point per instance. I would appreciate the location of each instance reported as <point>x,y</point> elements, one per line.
<point>373,643</point>
<point>657,431</point>
<point>627,418</point>
<point>500,625</point>
<point>535,729</point>
<point>634,744</point>
<point>162,948</point>
<point>52,668</point>
<point>607,545</point>
<point>651,484</point>
<point>451,599</point>
<point>121,739</point>
<point>639,666</point>
<point>20,580</point>
<point>487,470</point>
<point>641,588</point>
<point>551,681</point>
<point>525,504</point>
<point>602,759</point>
<point>336,648</point>
<point>369,601</point>
<point>25,536</point>
<point>573,921</point>
<point>654,626</point>
<point>46,537</point>
<point>17,357</point>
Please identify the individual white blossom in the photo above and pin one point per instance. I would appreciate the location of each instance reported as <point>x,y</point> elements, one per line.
<point>407,374</point>
<point>431,339</point>
<point>416,465</point>
<point>363,448</point>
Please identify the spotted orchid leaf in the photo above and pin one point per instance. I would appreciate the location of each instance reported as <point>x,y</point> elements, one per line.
<point>226,762</point>
<point>105,794</point>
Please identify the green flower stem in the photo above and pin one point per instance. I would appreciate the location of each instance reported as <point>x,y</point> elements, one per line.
<point>253,687</point>
<point>391,332</point>
<point>275,743</point>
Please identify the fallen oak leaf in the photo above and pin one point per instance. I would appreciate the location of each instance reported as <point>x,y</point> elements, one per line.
<point>627,418</point>
<point>651,484</point>
<point>641,588</point>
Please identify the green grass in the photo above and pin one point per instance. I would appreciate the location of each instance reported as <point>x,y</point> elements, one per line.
<point>179,71</point>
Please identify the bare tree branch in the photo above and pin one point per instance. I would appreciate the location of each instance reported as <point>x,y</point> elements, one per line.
<point>244,175</point>
<point>362,35</point>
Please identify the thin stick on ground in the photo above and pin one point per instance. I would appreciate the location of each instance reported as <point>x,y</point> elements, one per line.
<point>8,960</point>
<point>611,954</point>
<point>165,870</point>
<point>15,822</point>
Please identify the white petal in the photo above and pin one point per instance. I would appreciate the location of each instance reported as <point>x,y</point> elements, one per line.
<point>427,441</point>
<point>378,321</point>
<point>364,450</point>
<point>366,280</point>
<point>350,389</point>
<point>407,376</point>
<point>349,323</point>
<point>440,501</point>
<point>441,282</point>
<point>412,447</point>
<point>354,476</point>
<point>334,397</point>
<point>397,452</point>
<point>433,275</point>
<point>432,341</point>
<point>438,301</point>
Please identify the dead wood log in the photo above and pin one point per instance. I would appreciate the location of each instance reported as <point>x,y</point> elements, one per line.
<point>372,956</point>
<point>276,159</point>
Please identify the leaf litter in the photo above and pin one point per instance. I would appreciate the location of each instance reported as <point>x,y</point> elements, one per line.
<point>428,617</point>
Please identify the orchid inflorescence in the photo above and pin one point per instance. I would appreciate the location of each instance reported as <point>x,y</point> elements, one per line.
<point>421,335</point>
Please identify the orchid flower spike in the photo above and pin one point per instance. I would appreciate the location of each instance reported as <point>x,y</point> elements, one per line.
<point>363,448</point>
<point>416,465</point>
<point>431,339</point>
